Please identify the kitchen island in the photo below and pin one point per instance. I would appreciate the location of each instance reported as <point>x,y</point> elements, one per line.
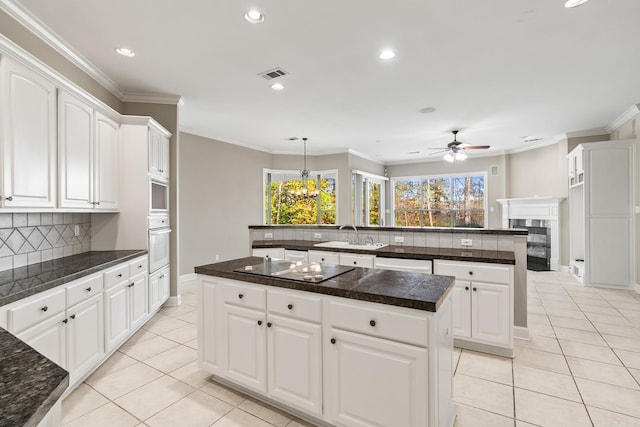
<point>362,348</point>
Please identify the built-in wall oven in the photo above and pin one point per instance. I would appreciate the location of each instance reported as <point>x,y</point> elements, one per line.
<point>159,239</point>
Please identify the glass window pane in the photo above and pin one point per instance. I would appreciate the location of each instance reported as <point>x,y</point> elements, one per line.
<point>408,218</point>
<point>436,218</point>
<point>436,193</point>
<point>407,194</point>
<point>374,203</point>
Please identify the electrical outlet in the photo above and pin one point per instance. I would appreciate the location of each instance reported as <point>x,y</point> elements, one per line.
<point>466,242</point>
<point>76,230</point>
<point>317,236</point>
<point>217,257</point>
<point>398,239</point>
<point>268,235</point>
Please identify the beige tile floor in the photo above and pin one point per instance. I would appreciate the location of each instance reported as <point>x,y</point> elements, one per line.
<point>581,368</point>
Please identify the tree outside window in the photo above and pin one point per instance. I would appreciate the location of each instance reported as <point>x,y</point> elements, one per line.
<point>440,201</point>
<point>290,200</point>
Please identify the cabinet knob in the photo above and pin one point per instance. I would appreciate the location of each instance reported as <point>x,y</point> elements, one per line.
<point>290,306</point>
<point>475,289</point>
<point>372,323</point>
<point>45,308</point>
<point>88,289</point>
<point>98,203</point>
<point>355,262</point>
<point>120,275</point>
<point>259,322</point>
<point>140,266</point>
<point>322,259</point>
<point>269,324</point>
<point>73,316</point>
<point>65,320</point>
<point>333,340</point>
<point>240,296</point>
<point>9,198</point>
<point>131,285</point>
<point>466,288</point>
<point>471,273</point>
<point>163,221</point>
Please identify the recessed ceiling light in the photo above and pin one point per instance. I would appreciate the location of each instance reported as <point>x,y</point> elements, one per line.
<point>126,52</point>
<point>427,110</point>
<point>253,16</point>
<point>387,54</point>
<point>574,3</point>
<point>277,86</point>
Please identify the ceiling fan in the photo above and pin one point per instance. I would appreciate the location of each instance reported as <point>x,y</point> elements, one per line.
<point>457,150</point>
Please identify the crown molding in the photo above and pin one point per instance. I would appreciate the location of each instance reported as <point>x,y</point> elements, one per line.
<point>539,144</point>
<point>364,156</point>
<point>149,98</point>
<point>623,118</point>
<point>586,133</point>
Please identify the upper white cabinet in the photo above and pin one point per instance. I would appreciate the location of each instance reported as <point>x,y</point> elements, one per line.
<point>601,214</point>
<point>158,154</point>
<point>88,145</point>
<point>27,138</point>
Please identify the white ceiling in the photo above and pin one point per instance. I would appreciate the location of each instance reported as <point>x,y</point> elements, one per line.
<point>497,70</point>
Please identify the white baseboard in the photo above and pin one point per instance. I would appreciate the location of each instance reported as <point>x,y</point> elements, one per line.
<point>174,301</point>
<point>521,333</point>
<point>637,288</point>
<point>187,277</point>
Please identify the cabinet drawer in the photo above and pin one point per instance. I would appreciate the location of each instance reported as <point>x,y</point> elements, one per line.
<point>365,261</point>
<point>324,257</point>
<point>383,322</point>
<point>244,295</point>
<point>83,289</point>
<point>401,264</point>
<point>137,266</point>
<point>36,311</point>
<point>274,253</point>
<point>494,273</point>
<point>296,255</point>
<point>294,304</point>
<point>161,221</point>
<point>116,275</point>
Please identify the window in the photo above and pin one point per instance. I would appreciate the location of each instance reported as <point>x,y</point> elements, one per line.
<point>367,198</point>
<point>289,200</point>
<point>440,201</point>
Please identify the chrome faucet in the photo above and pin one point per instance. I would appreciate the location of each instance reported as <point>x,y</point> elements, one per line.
<point>357,241</point>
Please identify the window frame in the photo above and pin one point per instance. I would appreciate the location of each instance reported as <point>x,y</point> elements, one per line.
<point>485,203</point>
<point>360,197</point>
<point>317,175</point>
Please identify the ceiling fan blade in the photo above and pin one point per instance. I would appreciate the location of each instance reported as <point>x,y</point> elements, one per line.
<point>437,148</point>
<point>477,147</point>
<point>438,152</point>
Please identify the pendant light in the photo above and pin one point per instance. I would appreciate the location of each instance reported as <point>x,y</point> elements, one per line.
<point>304,176</point>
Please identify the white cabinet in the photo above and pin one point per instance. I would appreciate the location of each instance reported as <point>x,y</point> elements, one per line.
<point>376,382</point>
<point>139,299</point>
<point>357,260</point>
<point>575,161</point>
<point>324,257</point>
<point>158,289</point>
<point>273,253</point>
<point>88,152</point>
<point>48,338</point>
<point>27,138</point>
<point>482,302</point>
<point>602,214</point>
<point>403,264</point>
<point>158,155</point>
<point>208,328</point>
<point>85,336</point>
<point>301,256</point>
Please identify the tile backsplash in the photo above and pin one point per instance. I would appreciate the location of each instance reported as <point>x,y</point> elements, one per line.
<point>30,238</point>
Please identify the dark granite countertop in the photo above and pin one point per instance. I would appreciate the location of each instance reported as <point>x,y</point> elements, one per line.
<point>410,252</point>
<point>30,384</point>
<point>469,230</point>
<point>25,281</point>
<point>403,289</point>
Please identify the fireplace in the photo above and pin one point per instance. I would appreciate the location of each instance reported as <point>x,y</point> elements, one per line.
<point>541,217</point>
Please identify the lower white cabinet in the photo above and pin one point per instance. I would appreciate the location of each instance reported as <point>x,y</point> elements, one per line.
<point>125,309</point>
<point>324,257</point>
<point>85,336</point>
<point>49,338</point>
<point>158,289</point>
<point>274,253</point>
<point>376,382</point>
<point>291,255</point>
<point>482,303</point>
<point>357,260</point>
<point>139,299</point>
<point>404,264</point>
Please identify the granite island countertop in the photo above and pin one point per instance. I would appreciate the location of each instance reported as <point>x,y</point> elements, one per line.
<point>392,251</point>
<point>404,289</point>
<point>30,384</point>
<point>22,282</point>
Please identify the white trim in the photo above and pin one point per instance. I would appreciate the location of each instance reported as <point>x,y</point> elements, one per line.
<point>174,301</point>
<point>429,159</point>
<point>364,156</point>
<point>623,118</point>
<point>149,98</point>
<point>145,121</point>
<point>47,35</point>
<point>369,175</point>
<point>539,144</point>
<point>587,133</point>
<point>636,288</point>
<point>521,333</point>
<point>187,277</point>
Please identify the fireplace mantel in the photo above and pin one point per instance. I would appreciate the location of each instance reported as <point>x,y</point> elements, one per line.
<point>542,208</point>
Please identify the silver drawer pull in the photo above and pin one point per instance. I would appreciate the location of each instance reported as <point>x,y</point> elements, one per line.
<point>45,308</point>
<point>88,289</point>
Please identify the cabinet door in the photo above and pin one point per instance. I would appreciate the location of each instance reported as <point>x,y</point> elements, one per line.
<point>461,301</point>
<point>245,347</point>
<point>116,305</point>
<point>155,154</point>
<point>375,382</point>
<point>490,313</point>
<point>85,336</point>
<point>295,364</point>
<point>164,156</point>
<point>301,256</point>
<point>48,338</point>
<point>106,174</point>
<point>27,138</point>
<point>75,142</point>
<point>138,300</point>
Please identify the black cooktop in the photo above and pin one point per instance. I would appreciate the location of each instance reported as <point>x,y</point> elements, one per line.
<point>295,270</point>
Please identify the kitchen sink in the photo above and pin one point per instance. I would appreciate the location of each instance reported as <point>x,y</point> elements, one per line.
<point>347,245</point>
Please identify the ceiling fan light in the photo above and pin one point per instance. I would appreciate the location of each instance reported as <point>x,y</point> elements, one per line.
<point>569,4</point>
<point>461,155</point>
<point>449,157</point>
<point>254,16</point>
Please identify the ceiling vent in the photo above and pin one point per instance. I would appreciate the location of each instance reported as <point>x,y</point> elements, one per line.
<point>272,74</point>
